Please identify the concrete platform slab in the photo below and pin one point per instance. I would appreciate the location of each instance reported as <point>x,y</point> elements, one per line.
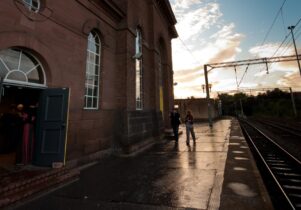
<point>214,173</point>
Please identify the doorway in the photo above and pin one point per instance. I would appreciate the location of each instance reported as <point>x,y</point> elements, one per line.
<point>17,124</point>
<point>39,136</point>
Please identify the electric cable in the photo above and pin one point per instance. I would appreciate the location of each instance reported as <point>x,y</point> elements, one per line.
<point>185,46</point>
<point>273,23</point>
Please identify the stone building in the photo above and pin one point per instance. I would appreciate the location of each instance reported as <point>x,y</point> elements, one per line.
<point>198,108</point>
<point>97,72</point>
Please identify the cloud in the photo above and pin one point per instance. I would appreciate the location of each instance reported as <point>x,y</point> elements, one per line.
<point>195,17</point>
<point>205,37</point>
<point>291,80</point>
<point>222,46</point>
<point>271,50</point>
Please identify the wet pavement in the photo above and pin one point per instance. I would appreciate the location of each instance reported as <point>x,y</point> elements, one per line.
<point>167,176</point>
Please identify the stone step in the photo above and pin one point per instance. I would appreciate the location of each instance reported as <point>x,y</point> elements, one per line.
<point>25,187</point>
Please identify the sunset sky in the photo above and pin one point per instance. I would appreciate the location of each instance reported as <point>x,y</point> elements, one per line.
<point>227,30</point>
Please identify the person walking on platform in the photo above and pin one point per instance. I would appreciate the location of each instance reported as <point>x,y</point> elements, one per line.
<point>189,127</point>
<point>175,121</point>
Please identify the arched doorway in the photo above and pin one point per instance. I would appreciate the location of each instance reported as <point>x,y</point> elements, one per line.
<point>33,118</point>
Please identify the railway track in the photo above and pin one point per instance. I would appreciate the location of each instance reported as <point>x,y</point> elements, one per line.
<point>282,128</point>
<point>280,170</point>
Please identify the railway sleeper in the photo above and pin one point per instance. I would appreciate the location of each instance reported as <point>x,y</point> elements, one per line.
<point>281,168</point>
<point>290,181</point>
<point>295,196</point>
<point>286,175</point>
<point>293,187</point>
<point>275,161</point>
<point>278,164</point>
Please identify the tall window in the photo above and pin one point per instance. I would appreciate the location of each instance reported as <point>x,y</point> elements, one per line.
<point>92,71</point>
<point>139,73</point>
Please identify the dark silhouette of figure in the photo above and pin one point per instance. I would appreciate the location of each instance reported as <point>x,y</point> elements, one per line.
<point>12,127</point>
<point>175,122</point>
<point>189,127</point>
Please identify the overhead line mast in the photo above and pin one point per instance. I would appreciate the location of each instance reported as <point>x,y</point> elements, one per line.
<point>240,63</point>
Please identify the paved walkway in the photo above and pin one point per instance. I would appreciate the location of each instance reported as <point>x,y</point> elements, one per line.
<point>168,176</point>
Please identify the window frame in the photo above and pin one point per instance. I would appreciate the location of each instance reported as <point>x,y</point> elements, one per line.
<point>92,85</point>
<point>139,98</point>
<point>19,69</point>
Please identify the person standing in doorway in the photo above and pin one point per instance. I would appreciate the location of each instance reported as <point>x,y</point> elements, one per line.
<point>175,121</point>
<point>28,134</point>
<point>19,130</point>
<point>189,127</point>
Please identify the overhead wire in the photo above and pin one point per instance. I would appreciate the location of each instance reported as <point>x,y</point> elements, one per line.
<point>289,42</point>
<point>185,46</point>
<point>273,23</point>
<point>284,28</point>
<point>268,32</point>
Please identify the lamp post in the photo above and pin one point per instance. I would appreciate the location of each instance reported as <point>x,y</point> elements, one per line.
<point>292,28</point>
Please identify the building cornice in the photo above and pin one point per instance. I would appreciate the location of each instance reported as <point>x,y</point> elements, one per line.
<point>110,7</point>
<point>166,9</point>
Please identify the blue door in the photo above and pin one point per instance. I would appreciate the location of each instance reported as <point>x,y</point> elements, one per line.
<point>51,127</point>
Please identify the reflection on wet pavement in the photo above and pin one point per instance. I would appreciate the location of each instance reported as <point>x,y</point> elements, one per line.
<point>168,175</point>
<point>191,175</point>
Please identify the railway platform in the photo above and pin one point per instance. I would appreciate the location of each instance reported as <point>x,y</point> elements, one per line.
<point>215,172</point>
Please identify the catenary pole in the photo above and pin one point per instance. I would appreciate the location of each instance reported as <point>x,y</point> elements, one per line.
<point>292,32</point>
<point>208,95</point>
<point>293,102</point>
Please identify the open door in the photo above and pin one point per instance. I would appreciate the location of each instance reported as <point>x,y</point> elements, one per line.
<point>51,126</point>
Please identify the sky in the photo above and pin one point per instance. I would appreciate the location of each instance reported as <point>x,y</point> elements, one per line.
<point>213,31</point>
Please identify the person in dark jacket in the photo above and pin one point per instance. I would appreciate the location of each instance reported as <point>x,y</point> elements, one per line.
<point>189,127</point>
<point>175,121</point>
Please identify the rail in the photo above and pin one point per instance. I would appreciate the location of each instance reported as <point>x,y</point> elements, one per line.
<point>281,168</point>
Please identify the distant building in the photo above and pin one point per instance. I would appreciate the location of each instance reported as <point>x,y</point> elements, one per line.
<point>99,71</point>
<point>198,107</point>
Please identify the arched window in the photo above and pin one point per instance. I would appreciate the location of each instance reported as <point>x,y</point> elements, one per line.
<point>138,67</point>
<point>21,67</point>
<point>92,71</point>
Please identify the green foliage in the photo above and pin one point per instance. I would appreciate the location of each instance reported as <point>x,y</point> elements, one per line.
<point>275,103</point>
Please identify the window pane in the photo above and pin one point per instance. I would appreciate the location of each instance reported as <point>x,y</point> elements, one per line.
<point>90,68</point>
<point>95,102</point>
<point>11,58</point>
<point>97,59</point>
<point>95,91</point>
<point>92,47</point>
<point>91,58</point>
<point>3,69</point>
<point>33,77</point>
<point>138,68</point>
<point>28,63</point>
<point>89,102</point>
<point>16,75</point>
<point>96,70</point>
<point>90,91</point>
<point>96,81</point>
